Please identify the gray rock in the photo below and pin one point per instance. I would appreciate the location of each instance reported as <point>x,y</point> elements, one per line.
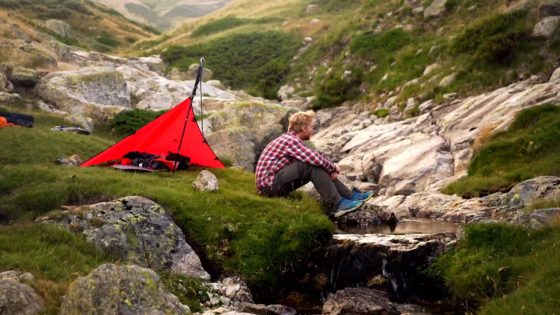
<point>235,290</point>
<point>207,74</point>
<point>136,230</point>
<point>431,68</point>
<point>538,218</point>
<point>205,181</point>
<point>113,289</point>
<point>28,55</point>
<point>546,27</point>
<point>10,98</point>
<point>359,301</point>
<point>435,9</point>
<point>16,297</point>
<point>539,187</point>
<point>448,80</point>
<point>178,75</point>
<point>549,8</point>
<point>60,27</point>
<point>24,77</point>
<point>5,84</point>
<point>555,77</point>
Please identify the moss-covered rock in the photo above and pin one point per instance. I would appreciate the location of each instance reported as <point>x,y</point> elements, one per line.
<point>113,289</point>
<point>29,55</point>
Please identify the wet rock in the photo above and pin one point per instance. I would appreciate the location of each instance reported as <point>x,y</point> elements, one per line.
<point>205,181</point>
<point>359,301</point>
<point>17,297</point>
<point>546,27</point>
<point>60,27</point>
<point>136,230</point>
<point>113,289</point>
<point>24,77</point>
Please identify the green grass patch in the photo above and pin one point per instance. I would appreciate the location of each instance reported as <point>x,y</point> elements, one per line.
<point>237,230</point>
<point>504,269</point>
<point>529,148</point>
<point>128,122</point>
<point>256,62</point>
<point>365,43</point>
<point>219,25</point>
<point>190,291</point>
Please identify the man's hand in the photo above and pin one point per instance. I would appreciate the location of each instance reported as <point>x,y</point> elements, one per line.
<point>334,175</point>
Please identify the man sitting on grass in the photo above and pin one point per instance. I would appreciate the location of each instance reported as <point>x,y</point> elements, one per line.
<point>287,164</point>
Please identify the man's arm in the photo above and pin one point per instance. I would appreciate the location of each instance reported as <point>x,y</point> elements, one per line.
<point>302,153</point>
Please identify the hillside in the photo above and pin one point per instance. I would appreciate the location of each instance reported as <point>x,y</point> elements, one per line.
<point>382,53</point>
<point>72,22</point>
<point>166,14</point>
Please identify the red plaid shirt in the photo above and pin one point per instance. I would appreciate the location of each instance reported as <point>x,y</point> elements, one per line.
<point>281,152</point>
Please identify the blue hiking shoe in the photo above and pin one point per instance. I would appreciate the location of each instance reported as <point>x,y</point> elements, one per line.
<point>346,206</point>
<point>363,196</point>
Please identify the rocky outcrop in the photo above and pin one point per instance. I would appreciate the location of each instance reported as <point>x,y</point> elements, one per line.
<point>241,130</point>
<point>113,289</point>
<point>426,152</point>
<point>17,297</point>
<point>359,301</point>
<point>549,8</point>
<point>546,27</point>
<point>29,55</point>
<point>5,84</point>
<point>135,230</point>
<point>205,181</point>
<point>59,27</point>
<point>435,9</point>
<point>24,77</point>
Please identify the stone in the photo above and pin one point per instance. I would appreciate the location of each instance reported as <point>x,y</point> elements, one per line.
<point>312,9</point>
<point>539,187</point>
<point>5,84</point>
<point>418,10</point>
<point>10,98</point>
<point>546,27</point>
<point>93,91</point>
<point>555,77</point>
<point>216,83</point>
<point>17,297</point>
<point>59,27</point>
<point>24,77</point>
<point>549,8</point>
<point>28,55</point>
<point>285,92</point>
<point>359,301</point>
<point>436,9</point>
<point>431,68</point>
<point>136,230</point>
<point>448,80</point>
<point>538,218</point>
<point>72,161</point>
<point>205,181</point>
<point>235,145</point>
<point>114,289</point>
<point>178,75</point>
<point>235,290</point>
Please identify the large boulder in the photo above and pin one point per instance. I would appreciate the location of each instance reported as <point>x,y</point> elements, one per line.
<point>241,130</point>
<point>29,55</point>
<point>113,289</point>
<point>95,91</point>
<point>24,77</point>
<point>435,9</point>
<point>5,84</point>
<point>17,297</point>
<point>136,230</point>
<point>546,27</point>
<point>549,8</point>
<point>59,27</point>
<point>358,301</point>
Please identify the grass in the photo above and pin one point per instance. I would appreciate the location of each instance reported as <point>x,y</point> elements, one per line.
<point>505,269</point>
<point>236,230</point>
<point>529,148</point>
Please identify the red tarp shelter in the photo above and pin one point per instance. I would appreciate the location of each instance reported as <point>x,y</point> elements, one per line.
<point>161,137</point>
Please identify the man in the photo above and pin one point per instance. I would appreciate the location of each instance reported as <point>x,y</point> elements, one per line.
<point>287,164</point>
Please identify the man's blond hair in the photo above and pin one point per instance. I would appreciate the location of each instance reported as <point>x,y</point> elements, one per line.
<point>300,120</point>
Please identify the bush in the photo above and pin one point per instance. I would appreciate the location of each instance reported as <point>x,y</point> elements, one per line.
<point>382,112</point>
<point>365,43</point>
<point>128,122</point>
<point>218,26</point>
<point>172,54</point>
<point>107,40</point>
<point>495,39</point>
<point>334,87</point>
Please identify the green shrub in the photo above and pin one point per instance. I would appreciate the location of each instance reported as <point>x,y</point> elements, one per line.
<point>107,40</point>
<point>334,87</point>
<point>382,112</point>
<point>128,122</point>
<point>495,39</point>
<point>365,43</point>
<point>257,62</point>
<point>191,291</point>
<point>219,25</point>
<point>529,148</point>
<point>335,5</point>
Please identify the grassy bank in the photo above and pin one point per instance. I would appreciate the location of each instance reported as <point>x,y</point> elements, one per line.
<point>529,148</point>
<point>235,230</point>
<point>505,269</point>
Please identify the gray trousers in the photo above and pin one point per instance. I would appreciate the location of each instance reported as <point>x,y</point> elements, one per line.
<point>297,174</point>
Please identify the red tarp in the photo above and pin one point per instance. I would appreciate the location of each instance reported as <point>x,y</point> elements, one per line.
<point>161,137</point>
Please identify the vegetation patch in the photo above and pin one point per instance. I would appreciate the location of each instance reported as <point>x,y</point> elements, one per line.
<point>504,269</point>
<point>365,43</point>
<point>529,148</point>
<point>256,62</point>
<point>335,86</point>
<point>128,122</point>
<point>219,25</point>
<point>190,291</point>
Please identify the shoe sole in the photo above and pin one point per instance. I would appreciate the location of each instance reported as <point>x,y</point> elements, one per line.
<point>338,214</point>
<point>368,198</point>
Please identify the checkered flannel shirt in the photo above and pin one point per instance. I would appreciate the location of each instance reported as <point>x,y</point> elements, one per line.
<point>283,151</point>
